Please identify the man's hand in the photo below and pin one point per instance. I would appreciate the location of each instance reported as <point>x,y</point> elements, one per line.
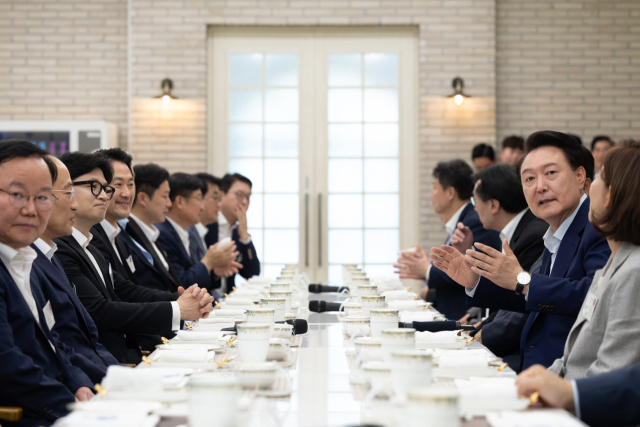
<point>555,392</point>
<point>478,336</point>
<point>464,320</point>
<point>83,393</point>
<point>241,214</point>
<point>195,303</point>
<point>453,263</point>
<point>216,258</point>
<point>500,268</point>
<point>462,238</point>
<point>412,265</point>
<point>424,292</point>
<point>227,270</point>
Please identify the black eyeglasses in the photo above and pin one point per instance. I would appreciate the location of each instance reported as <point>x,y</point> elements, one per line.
<point>97,188</point>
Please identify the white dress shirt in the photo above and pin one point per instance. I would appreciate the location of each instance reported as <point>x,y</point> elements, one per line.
<point>510,228</point>
<point>84,242</point>
<point>202,231</point>
<point>112,233</point>
<point>552,240</point>
<point>182,233</point>
<point>151,233</point>
<point>47,249</point>
<point>450,226</point>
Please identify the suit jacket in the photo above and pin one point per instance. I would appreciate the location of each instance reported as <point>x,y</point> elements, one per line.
<point>32,375</point>
<point>118,261</point>
<point>73,323</point>
<point>611,338</point>
<point>610,399</point>
<point>186,269</point>
<point>554,297</point>
<point>149,269</point>
<point>248,256</point>
<point>502,335</point>
<point>450,296</point>
<point>118,308</point>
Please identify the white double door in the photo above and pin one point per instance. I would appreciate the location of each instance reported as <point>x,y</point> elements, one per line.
<point>324,124</point>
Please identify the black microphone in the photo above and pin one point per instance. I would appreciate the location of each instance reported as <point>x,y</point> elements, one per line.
<point>436,326</point>
<point>318,289</point>
<point>322,306</point>
<point>300,326</point>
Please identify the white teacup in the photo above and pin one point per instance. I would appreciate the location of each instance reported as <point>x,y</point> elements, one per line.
<point>256,375</point>
<point>397,339</point>
<point>278,349</point>
<point>253,341</point>
<point>212,392</point>
<point>383,318</point>
<point>356,326</point>
<point>410,369</point>
<point>351,308</point>
<point>287,295</point>
<point>369,302</point>
<point>278,304</point>
<point>438,405</point>
<point>367,289</point>
<point>262,315</point>
<point>378,374</point>
<point>367,343</point>
<point>280,287</point>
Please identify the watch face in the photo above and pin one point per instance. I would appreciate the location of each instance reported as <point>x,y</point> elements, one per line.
<point>524,278</point>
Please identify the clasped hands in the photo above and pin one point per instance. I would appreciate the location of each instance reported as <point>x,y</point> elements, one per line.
<point>195,303</point>
<point>467,269</point>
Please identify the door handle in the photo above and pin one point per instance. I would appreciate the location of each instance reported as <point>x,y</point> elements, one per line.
<point>320,229</point>
<point>306,230</point>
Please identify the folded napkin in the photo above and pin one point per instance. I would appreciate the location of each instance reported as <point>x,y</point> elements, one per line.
<point>113,419</point>
<point>437,337</point>
<point>358,330</point>
<point>212,326</point>
<point>398,295</point>
<point>172,356</point>
<point>411,305</point>
<point>539,418</point>
<point>228,312</point>
<point>198,336</point>
<point>259,279</point>
<point>238,301</point>
<point>121,378</point>
<point>415,316</point>
<point>215,319</point>
<point>463,361</point>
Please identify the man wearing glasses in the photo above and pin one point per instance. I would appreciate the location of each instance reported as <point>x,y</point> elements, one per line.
<point>236,194</point>
<point>119,308</point>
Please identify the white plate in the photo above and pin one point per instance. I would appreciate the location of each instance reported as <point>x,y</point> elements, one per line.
<point>162,396</point>
<point>445,345</point>
<point>188,345</point>
<point>201,366</point>
<point>464,373</point>
<point>482,409</point>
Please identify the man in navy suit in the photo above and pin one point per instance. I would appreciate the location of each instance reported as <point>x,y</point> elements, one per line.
<point>236,195</point>
<point>34,373</point>
<point>450,196</point>
<point>609,399</point>
<point>74,326</point>
<point>185,211</point>
<point>553,176</point>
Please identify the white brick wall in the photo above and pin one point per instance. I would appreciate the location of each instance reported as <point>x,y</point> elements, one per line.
<point>569,65</point>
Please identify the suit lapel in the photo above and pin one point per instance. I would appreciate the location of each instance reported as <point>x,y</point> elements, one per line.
<point>524,221</point>
<point>96,277</point>
<point>570,242</point>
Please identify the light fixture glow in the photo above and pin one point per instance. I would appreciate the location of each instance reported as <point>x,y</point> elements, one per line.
<point>166,96</point>
<point>166,99</point>
<point>458,99</point>
<point>458,94</point>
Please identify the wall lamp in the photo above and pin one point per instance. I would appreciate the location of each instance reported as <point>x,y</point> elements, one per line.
<point>458,87</point>
<point>166,96</point>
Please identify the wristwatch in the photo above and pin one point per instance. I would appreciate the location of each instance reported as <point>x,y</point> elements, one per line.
<point>523,278</point>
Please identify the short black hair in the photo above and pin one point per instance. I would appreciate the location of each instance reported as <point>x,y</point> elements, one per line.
<point>149,178</point>
<point>228,180</point>
<point>183,184</point>
<point>457,174</point>
<point>599,138</point>
<point>501,182</point>
<point>19,149</point>
<point>118,155</point>
<point>588,162</point>
<point>483,150</point>
<point>207,178</point>
<point>576,137</point>
<point>570,146</point>
<point>513,141</point>
<point>81,163</point>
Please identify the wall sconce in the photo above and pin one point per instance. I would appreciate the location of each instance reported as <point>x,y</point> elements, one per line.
<point>166,96</point>
<point>458,95</point>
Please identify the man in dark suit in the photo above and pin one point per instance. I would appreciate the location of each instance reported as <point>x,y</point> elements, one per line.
<point>609,399</point>
<point>34,374</point>
<point>150,206</point>
<point>119,308</point>
<point>186,209</point>
<point>501,206</point>
<point>74,326</point>
<point>450,196</point>
<point>553,177</point>
<point>236,195</point>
